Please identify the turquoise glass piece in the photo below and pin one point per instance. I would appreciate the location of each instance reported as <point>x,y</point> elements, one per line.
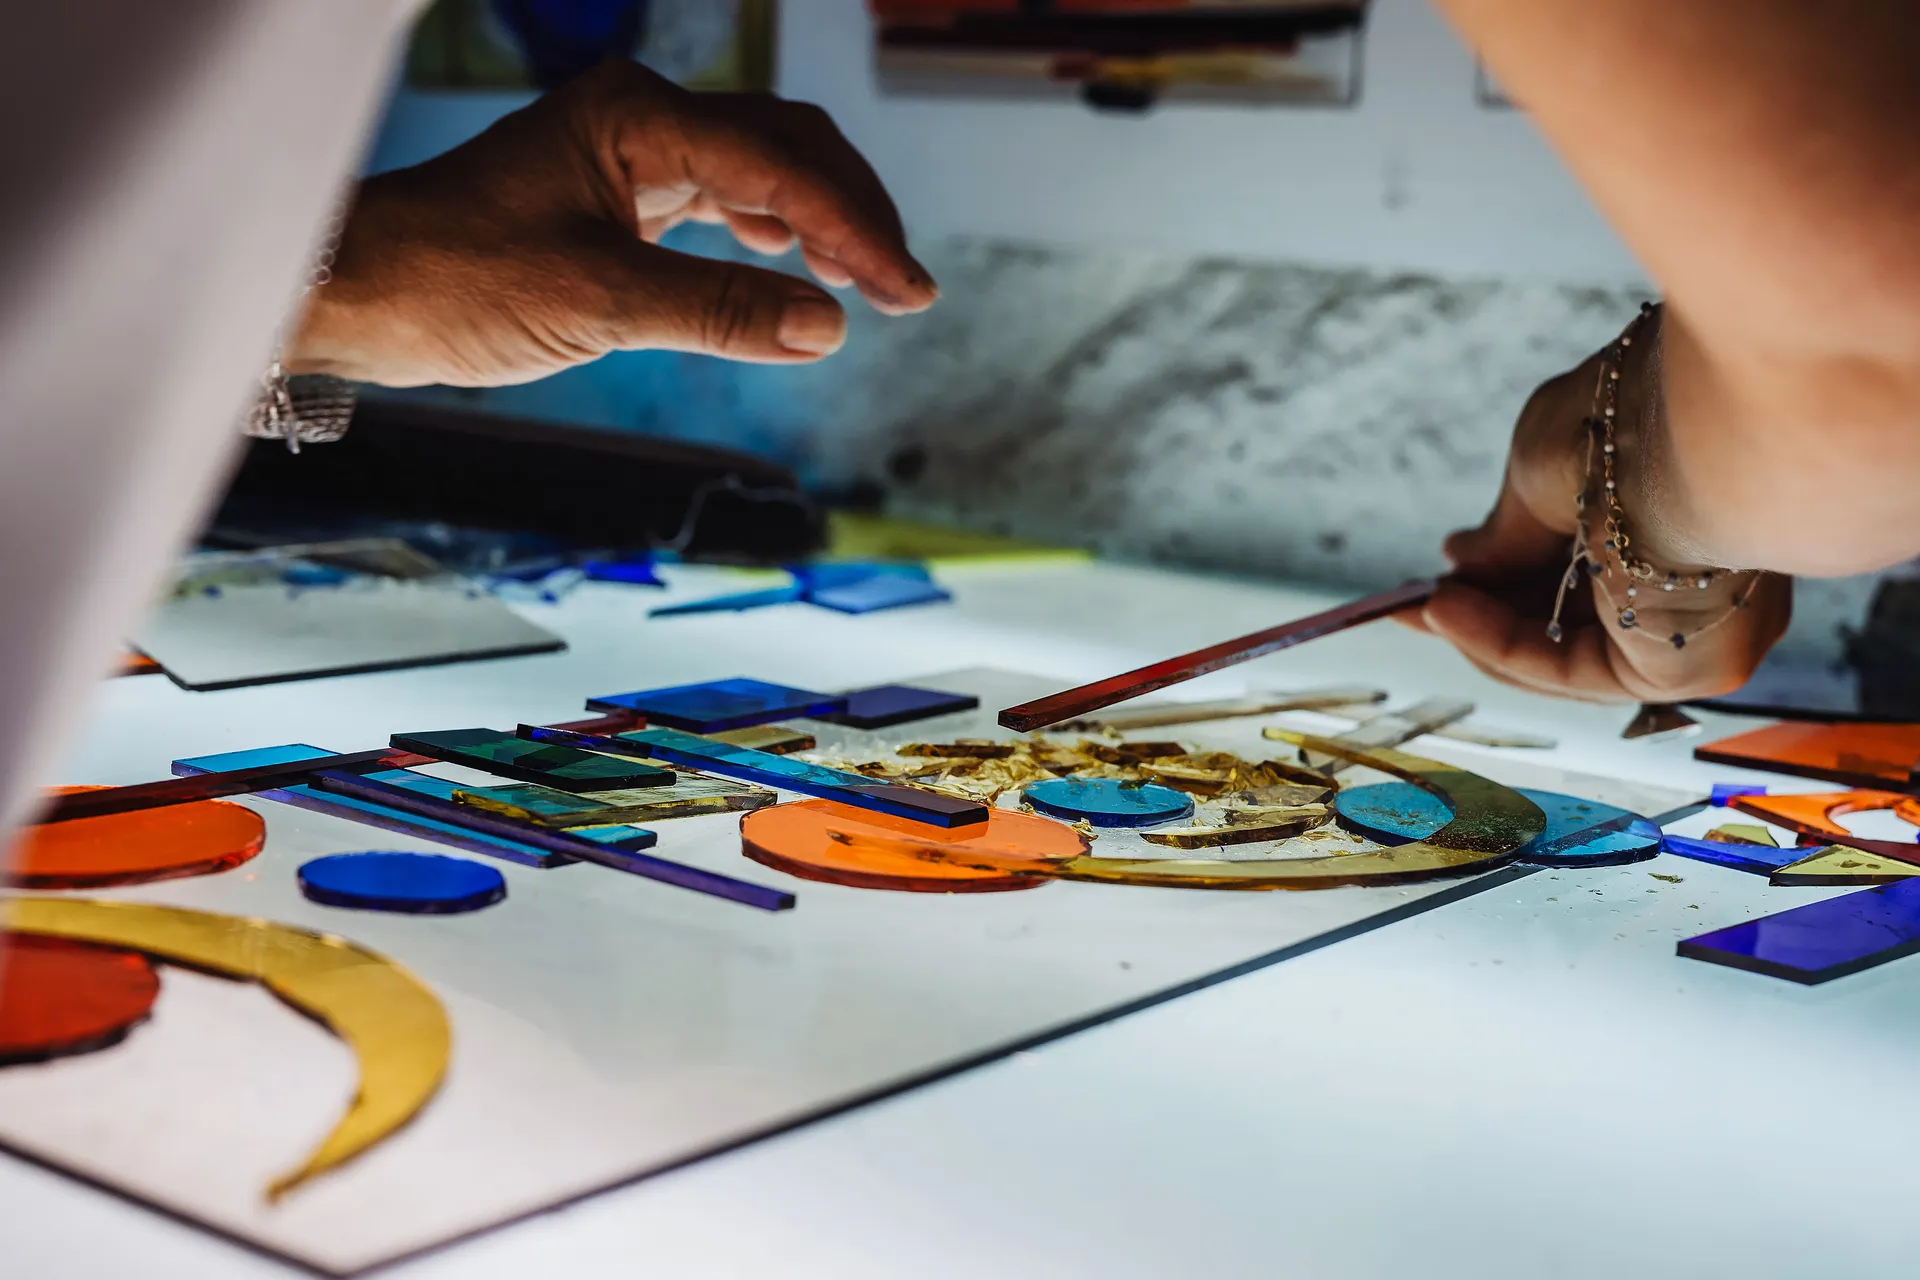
<point>1108,802</point>
<point>883,591</point>
<point>913,803</point>
<point>1822,940</point>
<point>1579,832</point>
<point>409,883</point>
<point>550,766</point>
<point>739,602</point>
<point>717,705</point>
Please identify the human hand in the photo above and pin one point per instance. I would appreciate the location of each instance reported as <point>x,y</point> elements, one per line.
<point>533,246</point>
<point>1495,605</point>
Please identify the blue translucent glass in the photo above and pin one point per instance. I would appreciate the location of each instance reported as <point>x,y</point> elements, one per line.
<point>1822,940</point>
<point>884,591</point>
<point>1758,859</point>
<point>415,883</point>
<point>846,573</point>
<point>770,770</point>
<point>550,766</point>
<point>736,603</point>
<point>1579,832</point>
<point>1724,792</point>
<point>637,572</point>
<point>891,704</point>
<point>1108,802</point>
<point>720,704</point>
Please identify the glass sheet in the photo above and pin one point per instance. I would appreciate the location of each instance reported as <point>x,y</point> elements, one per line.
<point>1822,940</point>
<point>1858,755</point>
<point>720,704</point>
<point>554,766</point>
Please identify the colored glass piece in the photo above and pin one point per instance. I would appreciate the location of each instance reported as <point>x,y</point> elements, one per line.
<point>737,703</point>
<point>883,591</point>
<point>1657,720</point>
<point>621,855</point>
<point>776,739</point>
<point>1579,832</point>
<point>409,883</point>
<point>1751,833</point>
<point>821,840</point>
<point>59,998</point>
<point>396,1028</point>
<point>689,796</point>
<point>845,573</point>
<point>1253,827</point>
<point>195,839</point>
<point>382,816</point>
<point>1724,792</point>
<point>1132,684</point>
<point>1815,814</point>
<point>694,752</point>
<point>1857,755</point>
<point>638,572</point>
<point>1836,864</point>
<point>890,704</point>
<point>1391,729</point>
<point>552,766</point>
<point>1757,859</point>
<point>1822,940</point>
<point>1108,802</point>
<point>739,602</point>
<point>96,802</point>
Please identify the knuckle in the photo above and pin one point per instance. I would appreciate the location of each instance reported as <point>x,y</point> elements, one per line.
<point>731,311</point>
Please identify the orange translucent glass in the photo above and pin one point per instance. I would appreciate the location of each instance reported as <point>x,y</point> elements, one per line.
<point>1813,815</point>
<point>132,848</point>
<point>821,840</point>
<point>59,997</point>
<point>1856,755</point>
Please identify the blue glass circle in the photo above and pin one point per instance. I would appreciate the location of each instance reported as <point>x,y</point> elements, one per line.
<point>1395,813</point>
<point>416,883</point>
<point>1108,802</point>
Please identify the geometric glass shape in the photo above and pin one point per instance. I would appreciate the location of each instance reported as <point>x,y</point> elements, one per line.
<point>1857,755</point>
<point>59,998</point>
<point>883,591</point>
<point>1108,802</point>
<point>1822,940</point>
<point>720,704</point>
<point>193,839</point>
<point>1840,865</point>
<point>1813,814</point>
<point>784,772</point>
<point>821,840</point>
<point>689,796</point>
<point>411,883</point>
<point>499,753</point>
<point>1756,859</point>
<point>890,704</point>
<point>1724,792</point>
<point>1579,832</point>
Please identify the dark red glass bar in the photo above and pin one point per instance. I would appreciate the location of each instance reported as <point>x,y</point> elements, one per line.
<point>211,786</point>
<point>1104,693</point>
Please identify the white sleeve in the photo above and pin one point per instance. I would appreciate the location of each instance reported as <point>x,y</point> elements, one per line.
<point>168,168</point>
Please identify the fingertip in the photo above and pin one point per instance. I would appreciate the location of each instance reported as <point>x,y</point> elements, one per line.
<point>812,325</point>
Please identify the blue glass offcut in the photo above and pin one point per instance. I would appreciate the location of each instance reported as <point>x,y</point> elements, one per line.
<point>784,772</point>
<point>1108,802</point>
<point>1579,832</point>
<point>1822,940</point>
<point>1752,858</point>
<point>883,591</point>
<point>890,704</point>
<point>717,705</point>
<point>1725,792</point>
<point>739,602</point>
<point>410,883</point>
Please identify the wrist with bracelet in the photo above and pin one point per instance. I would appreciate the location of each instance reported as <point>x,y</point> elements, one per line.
<point>1646,585</point>
<point>306,408</point>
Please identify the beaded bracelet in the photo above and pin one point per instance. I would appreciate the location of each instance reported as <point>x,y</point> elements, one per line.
<point>1618,543</point>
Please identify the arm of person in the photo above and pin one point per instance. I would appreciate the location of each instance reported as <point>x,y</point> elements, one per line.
<point>534,246</point>
<point>1758,156</point>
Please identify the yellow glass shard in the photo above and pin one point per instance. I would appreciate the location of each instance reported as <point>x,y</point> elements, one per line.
<point>1244,826</point>
<point>395,1026</point>
<point>1837,864</point>
<point>1743,833</point>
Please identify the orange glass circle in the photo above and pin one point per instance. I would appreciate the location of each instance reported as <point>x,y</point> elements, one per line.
<point>131,848</point>
<point>821,840</point>
<point>59,997</point>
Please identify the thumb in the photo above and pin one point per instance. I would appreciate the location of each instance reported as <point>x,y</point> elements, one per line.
<point>680,302</point>
<point>1512,539</point>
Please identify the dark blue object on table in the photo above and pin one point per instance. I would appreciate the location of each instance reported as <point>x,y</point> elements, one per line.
<point>1822,940</point>
<point>1579,833</point>
<point>1757,859</point>
<point>639,571</point>
<point>718,705</point>
<point>414,883</point>
<point>738,602</point>
<point>891,704</point>
<point>913,803</point>
<point>1108,802</point>
<point>1724,792</point>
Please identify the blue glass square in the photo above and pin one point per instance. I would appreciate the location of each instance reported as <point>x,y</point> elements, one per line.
<point>882,591</point>
<point>1725,792</point>
<point>720,704</point>
<point>1822,940</point>
<point>1757,859</point>
<point>890,704</point>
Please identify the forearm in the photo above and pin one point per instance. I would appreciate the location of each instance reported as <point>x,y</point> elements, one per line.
<point>1759,157</point>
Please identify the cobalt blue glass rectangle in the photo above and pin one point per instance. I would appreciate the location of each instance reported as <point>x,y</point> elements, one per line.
<point>891,704</point>
<point>884,591</point>
<point>1822,940</point>
<point>1758,859</point>
<point>718,705</point>
<point>376,815</point>
<point>912,803</point>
